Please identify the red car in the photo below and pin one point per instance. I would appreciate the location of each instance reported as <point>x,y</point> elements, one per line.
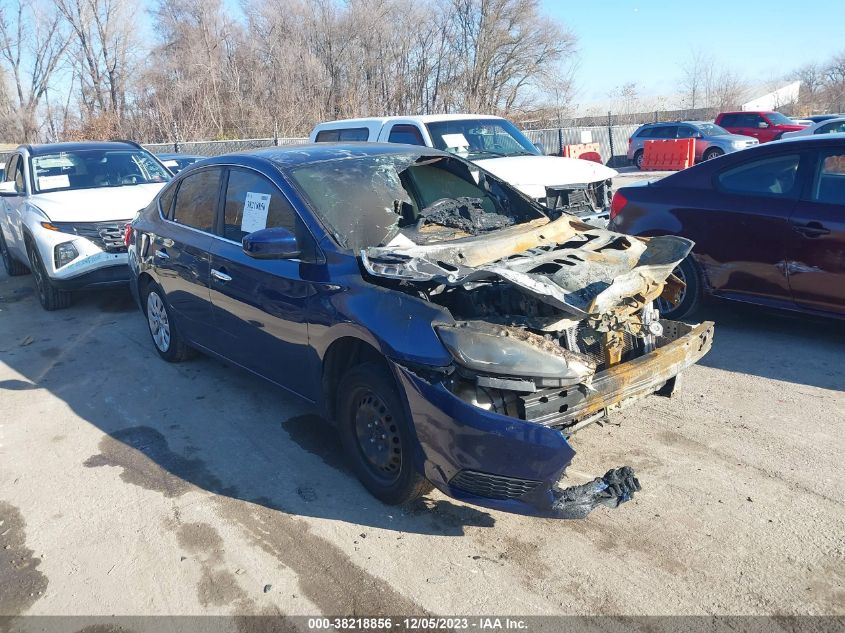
<point>768,225</point>
<point>764,126</point>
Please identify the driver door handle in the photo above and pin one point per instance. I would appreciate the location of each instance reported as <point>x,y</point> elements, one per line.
<point>812,229</point>
<point>220,276</point>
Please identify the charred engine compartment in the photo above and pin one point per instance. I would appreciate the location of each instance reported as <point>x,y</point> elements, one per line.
<point>539,310</point>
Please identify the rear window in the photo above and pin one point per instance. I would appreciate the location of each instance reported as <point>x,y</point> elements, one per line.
<point>196,200</point>
<point>352,134</point>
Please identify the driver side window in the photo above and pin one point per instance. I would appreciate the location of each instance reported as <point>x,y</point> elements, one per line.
<point>769,177</point>
<point>17,175</point>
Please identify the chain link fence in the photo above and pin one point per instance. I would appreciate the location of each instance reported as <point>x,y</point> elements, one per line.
<point>215,148</point>
<point>612,140</point>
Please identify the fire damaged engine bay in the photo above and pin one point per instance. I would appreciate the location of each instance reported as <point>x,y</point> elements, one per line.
<point>542,303</point>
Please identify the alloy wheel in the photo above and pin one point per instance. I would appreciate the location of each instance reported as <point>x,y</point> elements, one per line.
<point>663,306</point>
<point>159,323</point>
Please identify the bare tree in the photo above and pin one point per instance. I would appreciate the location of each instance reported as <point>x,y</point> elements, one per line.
<point>32,45</point>
<point>706,84</point>
<point>103,57</point>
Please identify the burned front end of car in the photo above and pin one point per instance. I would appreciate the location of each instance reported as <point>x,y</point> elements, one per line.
<point>553,327</point>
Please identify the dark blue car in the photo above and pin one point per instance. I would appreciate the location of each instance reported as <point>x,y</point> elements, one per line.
<point>454,333</point>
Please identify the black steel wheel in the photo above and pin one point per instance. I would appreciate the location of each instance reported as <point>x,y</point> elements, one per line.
<point>377,436</point>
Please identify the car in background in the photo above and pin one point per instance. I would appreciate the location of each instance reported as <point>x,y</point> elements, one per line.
<point>576,186</point>
<point>63,212</point>
<point>711,141</point>
<point>817,118</point>
<point>768,225</point>
<point>177,162</point>
<point>835,125</point>
<point>454,330</point>
<point>765,126</point>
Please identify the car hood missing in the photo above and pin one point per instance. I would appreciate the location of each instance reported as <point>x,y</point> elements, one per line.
<point>583,271</point>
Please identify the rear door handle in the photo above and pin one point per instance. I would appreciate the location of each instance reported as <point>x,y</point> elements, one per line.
<point>220,276</point>
<point>162,254</point>
<point>812,229</point>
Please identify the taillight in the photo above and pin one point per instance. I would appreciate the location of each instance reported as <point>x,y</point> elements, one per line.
<point>127,234</point>
<point>617,204</point>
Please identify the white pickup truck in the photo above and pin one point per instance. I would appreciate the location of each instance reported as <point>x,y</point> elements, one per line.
<point>579,187</point>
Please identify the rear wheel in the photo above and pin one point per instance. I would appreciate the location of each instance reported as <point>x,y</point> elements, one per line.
<point>712,153</point>
<point>377,435</point>
<point>13,267</point>
<point>51,298</point>
<point>167,340</point>
<point>690,297</point>
<point>638,159</point>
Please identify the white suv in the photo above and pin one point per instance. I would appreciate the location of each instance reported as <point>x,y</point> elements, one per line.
<point>63,209</point>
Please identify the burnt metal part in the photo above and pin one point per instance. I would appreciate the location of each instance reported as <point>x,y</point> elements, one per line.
<point>580,272</point>
<point>492,486</point>
<point>576,502</point>
<point>680,346</point>
<point>465,214</point>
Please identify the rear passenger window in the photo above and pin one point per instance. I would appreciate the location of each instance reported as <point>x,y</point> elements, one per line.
<point>407,134</point>
<point>196,200</point>
<point>646,132</point>
<point>254,203</point>
<point>165,201</point>
<point>829,184</point>
<point>770,176</point>
<point>354,134</point>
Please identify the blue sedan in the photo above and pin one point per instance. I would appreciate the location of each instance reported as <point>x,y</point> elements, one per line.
<point>416,300</point>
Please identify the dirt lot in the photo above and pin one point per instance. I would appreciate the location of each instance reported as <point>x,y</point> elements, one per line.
<point>131,486</point>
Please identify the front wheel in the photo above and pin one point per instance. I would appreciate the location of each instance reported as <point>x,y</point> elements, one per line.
<point>51,298</point>
<point>710,154</point>
<point>690,297</point>
<point>377,436</point>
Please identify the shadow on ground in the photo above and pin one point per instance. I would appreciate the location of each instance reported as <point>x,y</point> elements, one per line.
<point>198,425</point>
<point>774,344</point>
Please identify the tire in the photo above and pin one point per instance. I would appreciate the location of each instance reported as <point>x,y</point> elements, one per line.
<point>638,159</point>
<point>51,298</point>
<point>377,436</point>
<point>166,339</point>
<point>712,153</point>
<point>13,267</point>
<point>689,272</point>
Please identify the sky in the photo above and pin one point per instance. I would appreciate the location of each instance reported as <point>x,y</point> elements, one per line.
<point>648,41</point>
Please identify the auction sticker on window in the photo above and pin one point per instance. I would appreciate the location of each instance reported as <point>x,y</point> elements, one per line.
<point>60,181</point>
<point>254,216</point>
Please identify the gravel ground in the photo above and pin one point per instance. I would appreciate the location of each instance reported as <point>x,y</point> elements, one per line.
<point>131,486</point>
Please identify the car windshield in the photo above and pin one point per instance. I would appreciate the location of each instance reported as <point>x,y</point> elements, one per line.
<point>711,129</point>
<point>408,198</point>
<point>95,168</point>
<point>777,118</point>
<point>480,138</point>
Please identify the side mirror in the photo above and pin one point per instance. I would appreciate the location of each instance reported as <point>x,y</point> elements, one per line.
<point>541,147</point>
<point>7,189</point>
<point>762,125</point>
<point>275,243</point>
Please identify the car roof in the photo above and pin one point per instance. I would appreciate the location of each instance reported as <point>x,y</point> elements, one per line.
<point>823,140</point>
<point>423,118</point>
<point>52,148</point>
<point>292,155</point>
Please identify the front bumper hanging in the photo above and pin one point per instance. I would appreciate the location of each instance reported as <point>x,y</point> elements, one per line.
<point>576,502</point>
